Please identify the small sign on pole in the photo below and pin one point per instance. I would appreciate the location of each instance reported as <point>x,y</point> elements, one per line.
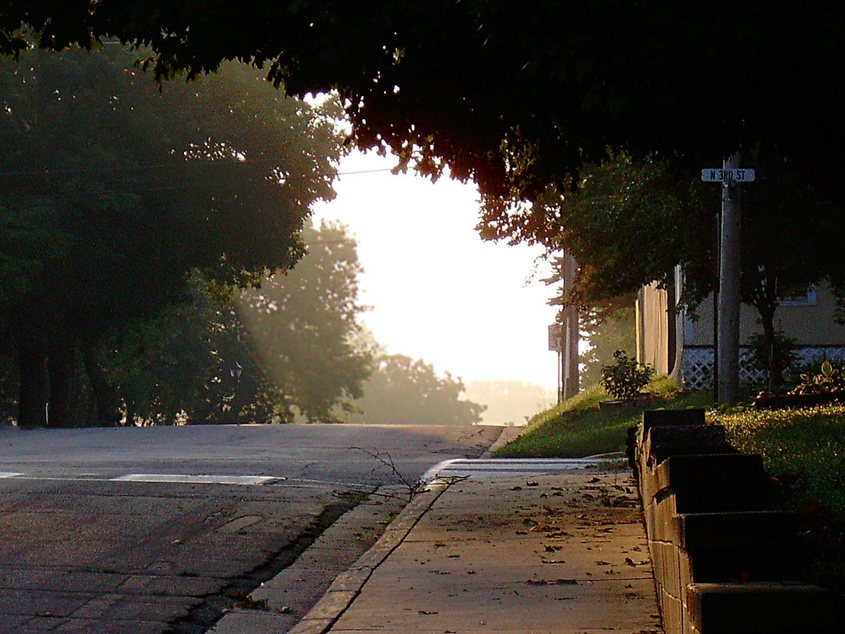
<point>555,337</point>
<point>724,175</point>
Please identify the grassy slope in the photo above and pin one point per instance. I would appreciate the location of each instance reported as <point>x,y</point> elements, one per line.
<point>808,443</point>
<point>806,448</point>
<point>579,428</point>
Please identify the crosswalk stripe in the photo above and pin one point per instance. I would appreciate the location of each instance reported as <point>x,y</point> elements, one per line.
<point>247,480</point>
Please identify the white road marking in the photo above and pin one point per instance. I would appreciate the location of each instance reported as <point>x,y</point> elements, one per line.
<point>246,480</point>
<point>502,467</point>
<point>302,483</point>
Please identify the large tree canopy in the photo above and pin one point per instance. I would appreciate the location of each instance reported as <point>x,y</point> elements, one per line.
<point>305,329</point>
<point>112,193</point>
<point>275,354</point>
<point>516,96</point>
<point>631,222</point>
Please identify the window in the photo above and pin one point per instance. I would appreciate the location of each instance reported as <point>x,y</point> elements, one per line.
<point>808,298</point>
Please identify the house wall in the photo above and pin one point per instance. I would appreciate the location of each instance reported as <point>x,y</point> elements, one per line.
<point>809,325</point>
<point>817,336</point>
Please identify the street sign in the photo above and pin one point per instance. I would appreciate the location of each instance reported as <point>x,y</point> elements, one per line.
<point>555,337</point>
<point>720,175</point>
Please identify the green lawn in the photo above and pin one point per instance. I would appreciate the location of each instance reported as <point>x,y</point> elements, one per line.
<point>805,443</point>
<point>808,444</point>
<point>578,428</point>
<point>806,448</point>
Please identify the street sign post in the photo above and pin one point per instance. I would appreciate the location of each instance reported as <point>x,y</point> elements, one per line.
<point>555,337</point>
<point>728,175</point>
<point>726,294</point>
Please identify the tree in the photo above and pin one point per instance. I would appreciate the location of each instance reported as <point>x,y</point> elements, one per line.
<point>605,334</point>
<point>631,222</point>
<point>193,363</point>
<point>405,391</point>
<point>304,324</point>
<point>114,193</point>
<point>271,354</point>
<point>516,97</point>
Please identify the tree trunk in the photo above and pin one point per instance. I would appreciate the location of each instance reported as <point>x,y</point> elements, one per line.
<point>60,367</point>
<point>105,395</point>
<point>32,400</point>
<point>130,413</point>
<point>775,371</point>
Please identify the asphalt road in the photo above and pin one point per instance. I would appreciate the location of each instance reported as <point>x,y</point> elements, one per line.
<point>162,529</point>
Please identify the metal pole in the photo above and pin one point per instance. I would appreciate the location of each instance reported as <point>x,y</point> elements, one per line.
<point>571,375</point>
<point>574,379</point>
<point>559,377</point>
<point>567,358</point>
<point>716,269</point>
<point>729,272</point>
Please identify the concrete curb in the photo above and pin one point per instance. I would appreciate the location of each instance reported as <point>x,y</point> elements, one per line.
<point>283,596</point>
<point>347,586</point>
<point>508,434</point>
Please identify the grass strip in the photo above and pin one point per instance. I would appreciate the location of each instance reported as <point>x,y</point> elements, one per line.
<point>805,448</point>
<point>807,443</point>
<point>579,427</point>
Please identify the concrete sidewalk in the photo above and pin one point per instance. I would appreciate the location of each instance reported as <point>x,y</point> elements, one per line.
<point>562,553</point>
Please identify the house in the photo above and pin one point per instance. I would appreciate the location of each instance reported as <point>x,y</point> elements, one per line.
<point>680,343</point>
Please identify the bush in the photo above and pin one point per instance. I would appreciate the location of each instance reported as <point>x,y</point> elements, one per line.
<point>768,357</point>
<point>828,380</point>
<point>626,377</point>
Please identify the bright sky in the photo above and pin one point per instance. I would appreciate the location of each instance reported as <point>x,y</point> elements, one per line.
<point>437,291</point>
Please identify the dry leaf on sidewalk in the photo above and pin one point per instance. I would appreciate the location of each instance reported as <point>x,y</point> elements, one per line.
<point>552,582</point>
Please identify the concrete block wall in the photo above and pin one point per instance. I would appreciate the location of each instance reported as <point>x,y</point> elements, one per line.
<point>725,560</point>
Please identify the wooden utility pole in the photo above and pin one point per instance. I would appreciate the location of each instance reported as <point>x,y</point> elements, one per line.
<point>729,276</point>
<point>571,382</point>
<point>564,334</point>
<point>556,344</point>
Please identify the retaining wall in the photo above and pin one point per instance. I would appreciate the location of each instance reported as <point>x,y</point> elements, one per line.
<point>725,560</point>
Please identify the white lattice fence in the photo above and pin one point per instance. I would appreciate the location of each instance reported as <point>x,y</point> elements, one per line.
<point>697,364</point>
<point>804,356</point>
<point>697,368</point>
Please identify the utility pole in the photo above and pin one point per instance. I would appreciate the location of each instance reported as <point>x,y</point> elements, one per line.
<point>564,334</point>
<point>729,267</point>
<point>716,273</point>
<point>727,335</point>
<point>571,382</point>
<point>556,345</point>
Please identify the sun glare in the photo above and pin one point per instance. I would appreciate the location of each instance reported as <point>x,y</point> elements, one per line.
<point>437,291</point>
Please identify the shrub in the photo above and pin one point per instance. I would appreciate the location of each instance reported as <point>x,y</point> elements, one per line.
<point>626,377</point>
<point>827,380</point>
<point>777,357</point>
